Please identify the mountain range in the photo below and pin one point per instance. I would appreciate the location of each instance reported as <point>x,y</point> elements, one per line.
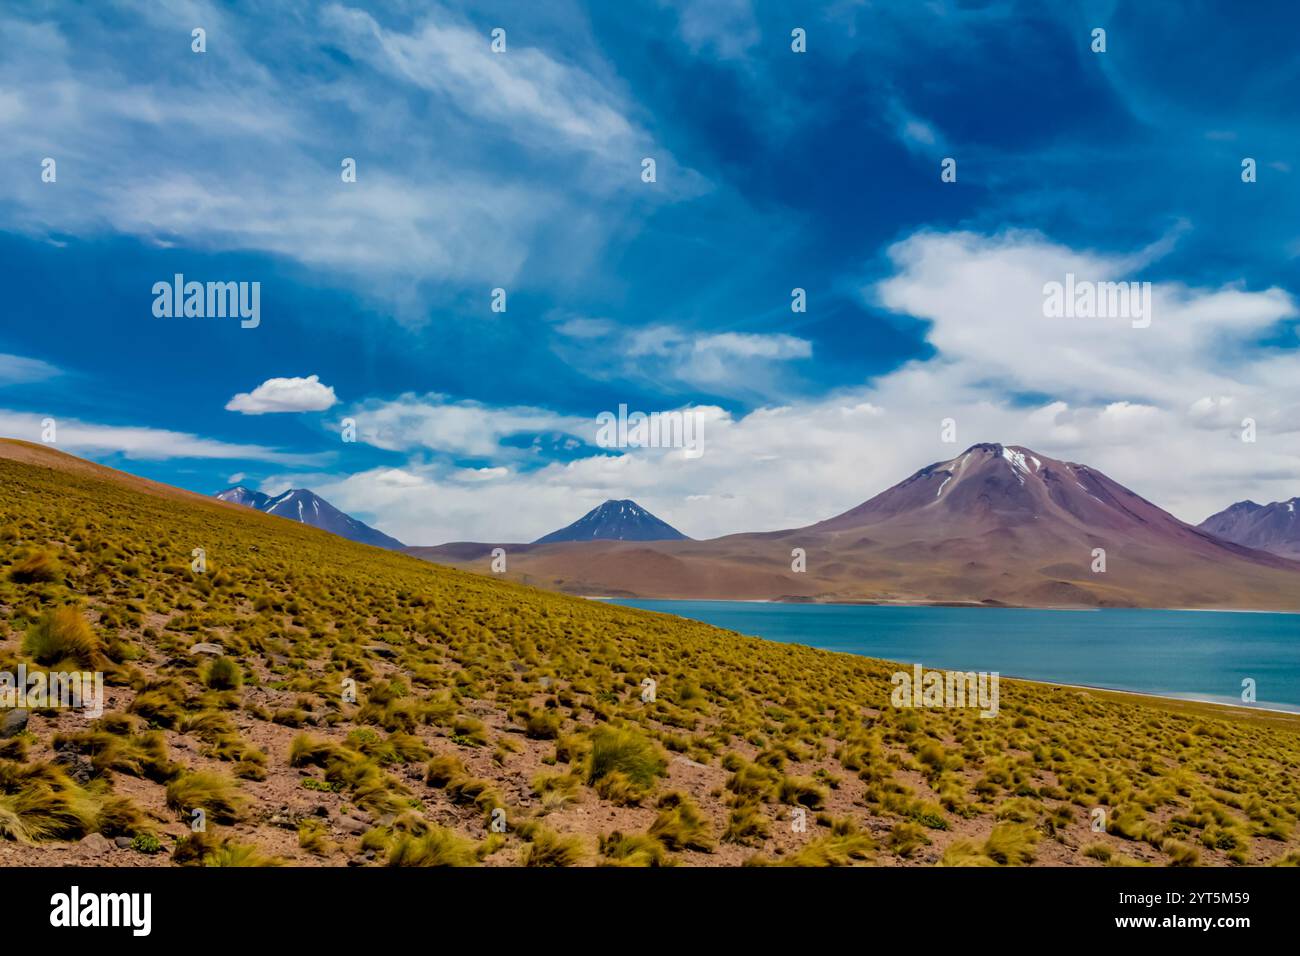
<point>995,525</point>
<point>299,504</point>
<point>1274,527</point>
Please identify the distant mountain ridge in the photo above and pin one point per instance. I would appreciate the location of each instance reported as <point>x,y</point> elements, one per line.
<point>307,507</point>
<point>1273,527</point>
<point>994,525</point>
<point>616,520</point>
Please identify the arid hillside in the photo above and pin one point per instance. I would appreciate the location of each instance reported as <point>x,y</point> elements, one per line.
<point>323,702</point>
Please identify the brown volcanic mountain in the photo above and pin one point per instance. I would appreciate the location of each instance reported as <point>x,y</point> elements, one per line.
<point>1274,527</point>
<point>997,524</point>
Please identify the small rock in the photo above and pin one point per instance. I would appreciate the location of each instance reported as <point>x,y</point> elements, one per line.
<point>203,647</point>
<point>122,843</point>
<point>75,766</point>
<point>13,723</point>
<point>96,844</point>
<point>354,826</point>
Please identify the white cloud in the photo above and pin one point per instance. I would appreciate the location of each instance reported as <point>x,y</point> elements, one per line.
<point>730,363</point>
<point>433,423</point>
<point>177,155</point>
<point>148,444</point>
<point>742,345</point>
<point>18,370</point>
<point>726,27</point>
<point>285,395</point>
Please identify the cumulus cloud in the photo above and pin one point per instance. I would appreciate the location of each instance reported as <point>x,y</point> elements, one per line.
<point>308,394</point>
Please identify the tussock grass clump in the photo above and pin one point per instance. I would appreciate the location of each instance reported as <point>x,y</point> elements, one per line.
<point>556,791</point>
<point>802,791</point>
<point>217,796</point>
<point>746,826</point>
<point>623,765</point>
<point>62,634</point>
<point>846,849</point>
<point>1098,851</point>
<point>680,824</point>
<point>121,750</point>
<point>437,846</point>
<point>633,850</point>
<point>907,837</point>
<point>548,848</point>
<point>119,816</point>
<point>1008,844</point>
<point>240,855</point>
<point>162,703</point>
<point>207,849</point>
<point>38,802</point>
<point>36,568</point>
<point>313,836</point>
<point>348,769</point>
<point>223,674</point>
<point>1179,853</point>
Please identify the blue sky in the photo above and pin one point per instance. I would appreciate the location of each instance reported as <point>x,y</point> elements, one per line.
<point>522,170</point>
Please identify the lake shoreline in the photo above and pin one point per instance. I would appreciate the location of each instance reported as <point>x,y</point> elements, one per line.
<point>904,642</point>
<point>930,604</point>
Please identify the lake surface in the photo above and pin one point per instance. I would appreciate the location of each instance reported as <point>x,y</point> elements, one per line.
<point>1200,655</point>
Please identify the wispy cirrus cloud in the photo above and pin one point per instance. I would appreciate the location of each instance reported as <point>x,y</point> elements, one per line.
<point>435,423</point>
<point>143,443</point>
<point>154,141</point>
<point>20,370</point>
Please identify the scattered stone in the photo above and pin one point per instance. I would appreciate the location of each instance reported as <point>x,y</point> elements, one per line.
<point>203,647</point>
<point>13,723</point>
<point>285,818</point>
<point>354,826</point>
<point>122,842</point>
<point>79,768</point>
<point>96,843</point>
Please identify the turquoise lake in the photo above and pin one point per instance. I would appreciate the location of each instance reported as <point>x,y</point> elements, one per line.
<point>1200,655</point>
